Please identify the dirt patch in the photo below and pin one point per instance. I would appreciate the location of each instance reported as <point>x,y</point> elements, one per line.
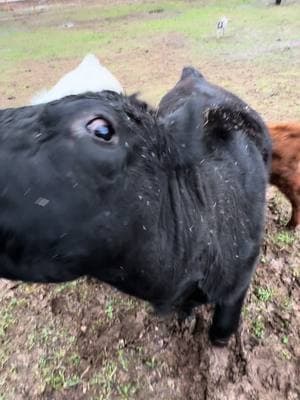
<point>135,71</point>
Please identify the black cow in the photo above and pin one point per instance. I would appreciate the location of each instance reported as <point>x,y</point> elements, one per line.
<point>169,209</point>
<point>223,192</point>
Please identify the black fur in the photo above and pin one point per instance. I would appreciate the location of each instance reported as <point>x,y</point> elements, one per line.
<point>172,212</point>
<point>230,181</point>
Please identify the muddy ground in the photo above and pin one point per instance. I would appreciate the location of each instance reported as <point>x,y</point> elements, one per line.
<point>84,340</point>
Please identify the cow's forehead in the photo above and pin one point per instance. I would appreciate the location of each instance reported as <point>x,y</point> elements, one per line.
<point>90,103</point>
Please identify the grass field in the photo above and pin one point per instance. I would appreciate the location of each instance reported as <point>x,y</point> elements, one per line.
<point>83,340</point>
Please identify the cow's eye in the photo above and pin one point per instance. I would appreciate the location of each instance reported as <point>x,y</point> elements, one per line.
<point>101,128</point>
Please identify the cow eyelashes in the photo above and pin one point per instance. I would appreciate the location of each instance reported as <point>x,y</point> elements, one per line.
<point>101,129</point>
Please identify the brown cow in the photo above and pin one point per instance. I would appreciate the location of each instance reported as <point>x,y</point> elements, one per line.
<point>286,164</point>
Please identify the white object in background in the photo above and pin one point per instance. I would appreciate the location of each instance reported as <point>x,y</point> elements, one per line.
<point>89,76</point>
<point>221,26</point>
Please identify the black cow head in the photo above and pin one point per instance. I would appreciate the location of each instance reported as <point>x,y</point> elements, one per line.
<point>80,180</point>
<point>223,113</point>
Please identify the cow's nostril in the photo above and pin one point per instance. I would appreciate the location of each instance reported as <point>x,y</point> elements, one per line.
<point>101,128</point>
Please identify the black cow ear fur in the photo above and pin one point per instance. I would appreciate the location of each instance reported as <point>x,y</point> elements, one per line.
<point>224,122</point>
<point>225,119</point>
<point>183,130</point>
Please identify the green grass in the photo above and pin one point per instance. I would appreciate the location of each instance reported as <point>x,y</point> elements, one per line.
<point>109,309</point>
<point>49,43</point>
<point>285,339</point>
<point>106,382</point>
<point>252,30</point>
<point>264,294</point>
<point>296,272</point>
<point>285,238</point>
<point>127,390</point>
<point>56,366</point>
<point>7,314</point>
<point>6,320</point>
<point>89,13</point>
<point>287,304</point>
<point>123,359</point>
<point>45,40</point>
<point>286,355</point>
<point>258,328</point>
<point>152,362</point>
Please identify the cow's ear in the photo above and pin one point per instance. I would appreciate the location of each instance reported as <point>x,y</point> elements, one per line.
<point>183,130</point>
<point>223,122</point>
